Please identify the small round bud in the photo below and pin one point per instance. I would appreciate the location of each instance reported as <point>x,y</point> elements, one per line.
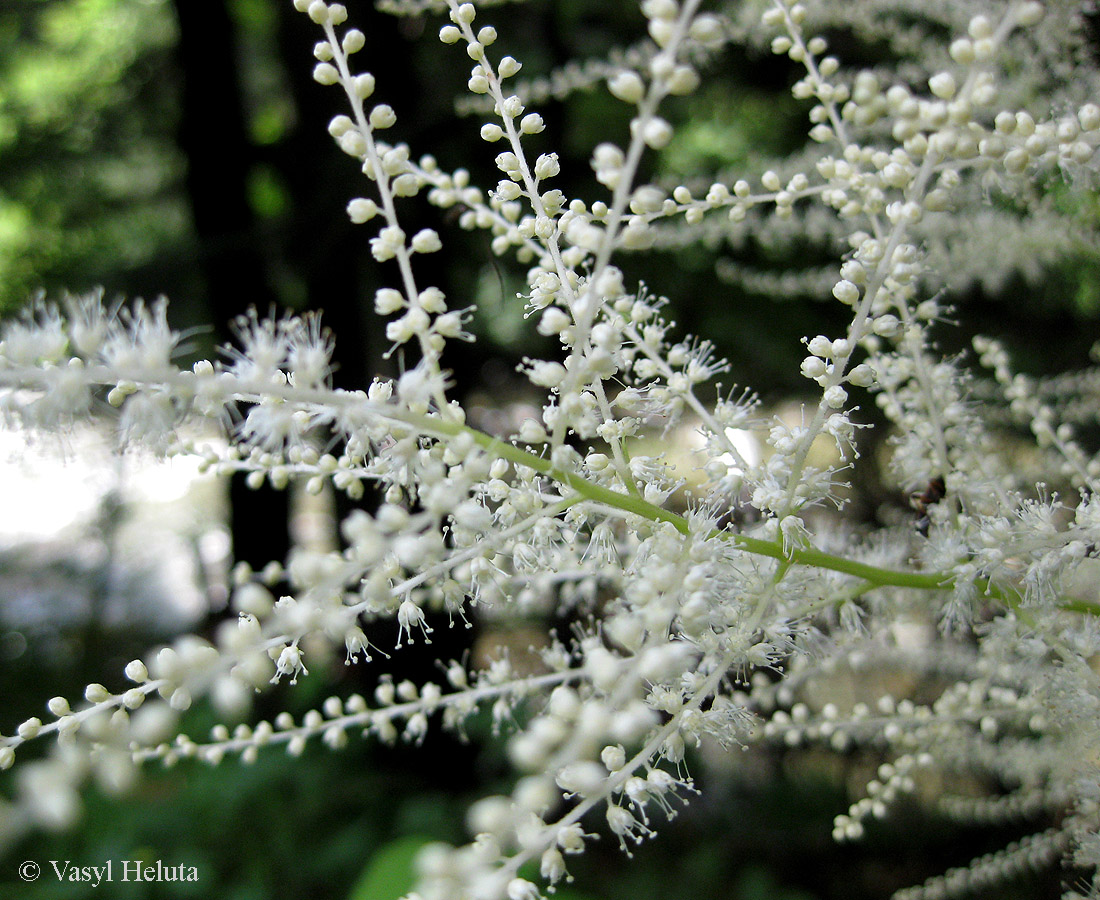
<point>325,73</point>
<point>547,166</point>
<point>59,706</point>
<point>862,376</point>
<point>1089,117</point>
<point>707,30</point>
<point>962,51</point>
<point>362,210</point>
<point>942,85</point>
<point>426,241</point>
<point>363,85</point>
<point>96,693</point>
<point>491,132</point>
<point>813,367</point>
<point>627,86</point>
<point>683,80</point>
<point>464,15</point>
<point>772,17</point>
<point>657,133</point>
<point>382,116</point>
<point>614,757</point>
<point>836,397</point>
<point>532,123</point>
<point>846,292</point>
<point>353,41</point>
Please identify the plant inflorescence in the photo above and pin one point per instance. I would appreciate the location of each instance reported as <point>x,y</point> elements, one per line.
<point>719,611</point>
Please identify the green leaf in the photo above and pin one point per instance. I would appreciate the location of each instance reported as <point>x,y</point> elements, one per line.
<point>389,873</point>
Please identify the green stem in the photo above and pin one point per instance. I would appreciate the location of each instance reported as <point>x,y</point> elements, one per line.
<point>873,576</point>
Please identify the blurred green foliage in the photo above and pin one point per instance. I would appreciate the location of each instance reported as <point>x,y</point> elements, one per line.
<point>390,872</point>
<point>89,174</point>
<point>301,828</point>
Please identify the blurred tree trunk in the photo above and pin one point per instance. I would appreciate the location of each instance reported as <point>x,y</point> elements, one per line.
<point>214,139</point>
<point>311,257</point>
<point>320,245</point>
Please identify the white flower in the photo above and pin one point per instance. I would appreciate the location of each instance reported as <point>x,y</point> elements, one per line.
<point>309,352</point>
<point>410,616</point>
<point>290,663</point>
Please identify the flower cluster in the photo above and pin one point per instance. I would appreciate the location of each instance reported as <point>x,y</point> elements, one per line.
<point>738,611</point>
